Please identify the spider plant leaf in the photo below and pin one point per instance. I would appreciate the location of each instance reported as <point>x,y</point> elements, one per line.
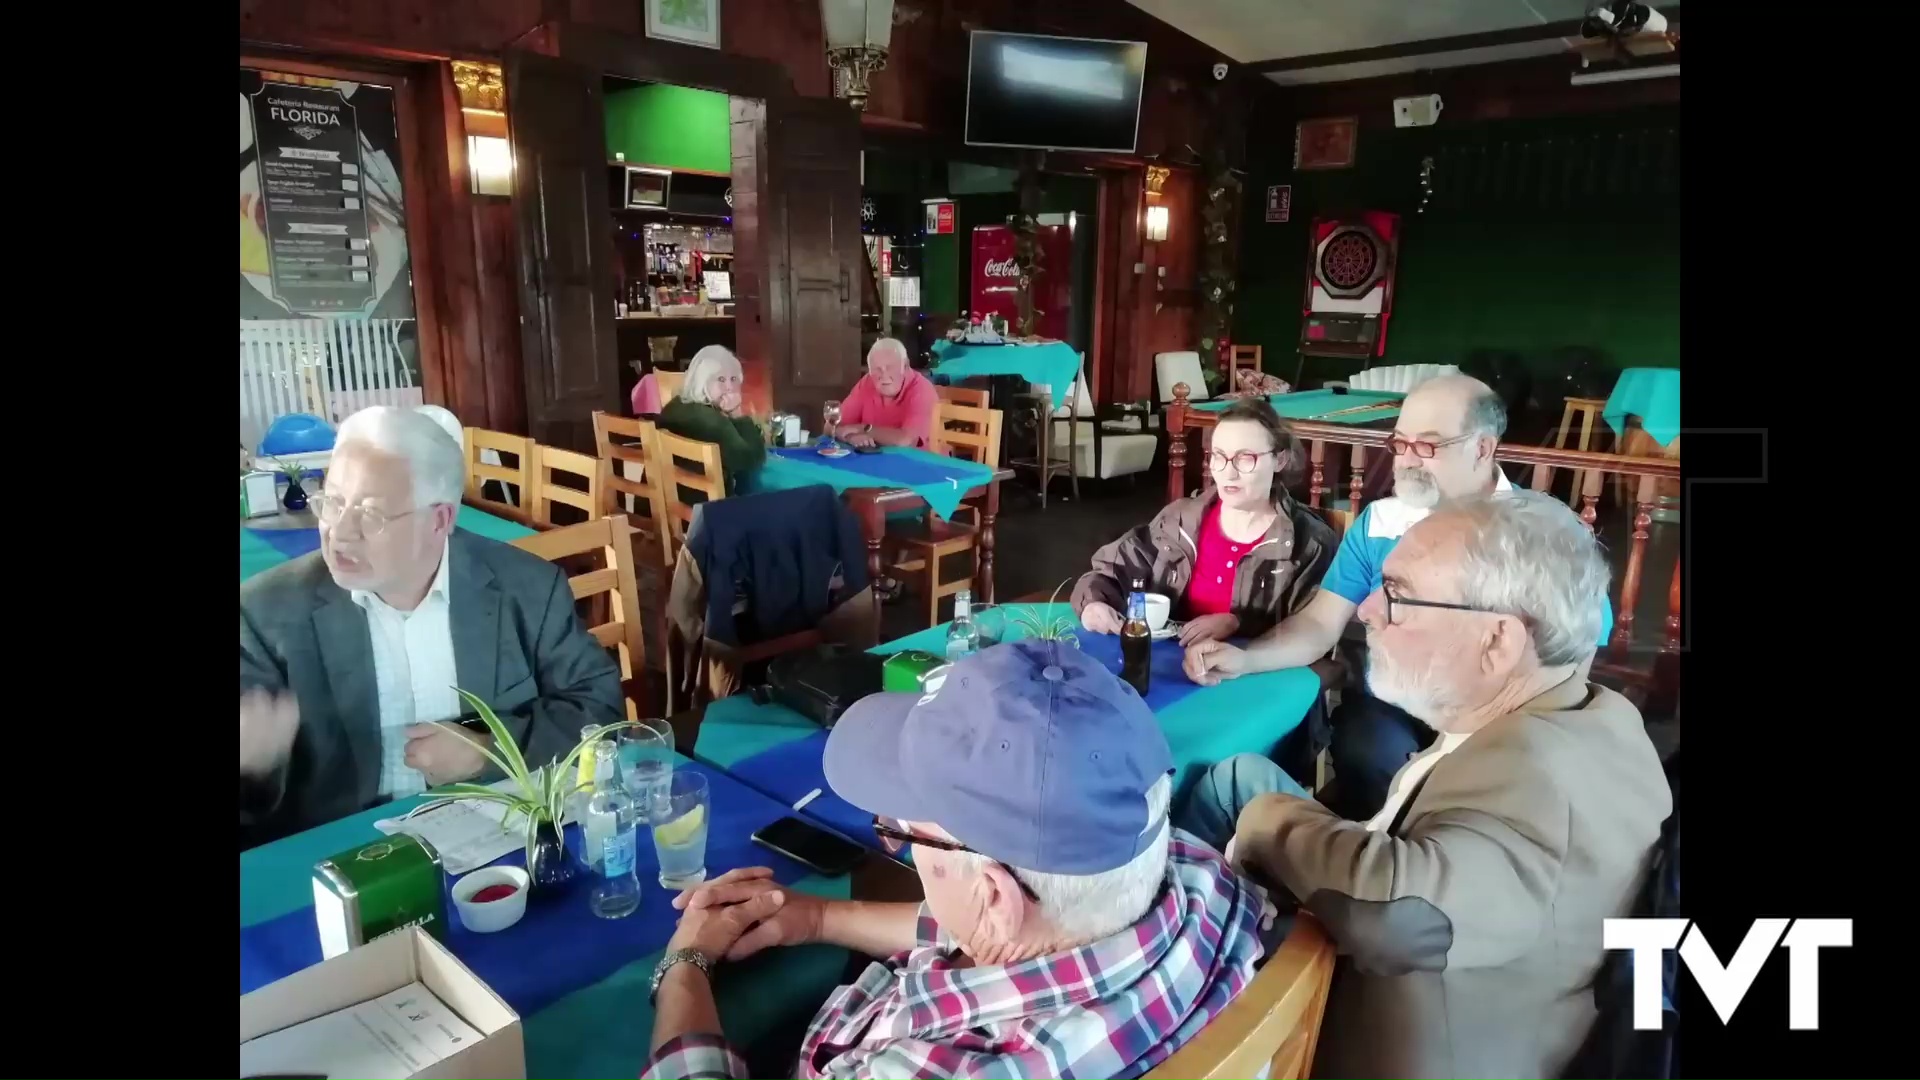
<point>508,758</point>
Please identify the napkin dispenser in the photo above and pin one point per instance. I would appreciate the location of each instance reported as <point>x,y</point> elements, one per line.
<point>905,672</point>
<point>378,889</point>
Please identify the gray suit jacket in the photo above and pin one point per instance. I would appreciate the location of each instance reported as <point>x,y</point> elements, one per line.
<point>517,644</point>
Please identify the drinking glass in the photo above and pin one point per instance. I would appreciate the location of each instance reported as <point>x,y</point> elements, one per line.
<point>830,412</point>
<point>679,822</point>
<point>646,762</point>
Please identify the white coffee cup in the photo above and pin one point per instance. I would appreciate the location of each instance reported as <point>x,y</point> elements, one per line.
<point>1158,609</point>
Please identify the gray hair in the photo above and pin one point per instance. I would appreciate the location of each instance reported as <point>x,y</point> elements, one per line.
<point>893,346</point>
<point>708,364</point>
<point>1088,907</point>
<point>1486,414</point>
<point>1527,554</point>
<point>436,461</point>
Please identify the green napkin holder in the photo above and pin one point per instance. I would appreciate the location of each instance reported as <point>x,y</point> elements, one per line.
<point>378,889</point>
<point>906,671</point>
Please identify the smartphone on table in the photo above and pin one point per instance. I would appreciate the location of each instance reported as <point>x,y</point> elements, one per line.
<point>810,846</point>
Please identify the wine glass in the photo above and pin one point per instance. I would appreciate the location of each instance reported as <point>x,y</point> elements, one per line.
<point>830,412</point>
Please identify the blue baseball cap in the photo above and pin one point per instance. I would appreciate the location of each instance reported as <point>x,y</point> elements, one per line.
<point>1031,753</point>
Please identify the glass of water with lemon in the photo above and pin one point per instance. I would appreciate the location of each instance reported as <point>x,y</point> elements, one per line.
<point>679,820</point>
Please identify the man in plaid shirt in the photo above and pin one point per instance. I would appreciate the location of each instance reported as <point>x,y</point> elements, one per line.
<point>1068,930</point>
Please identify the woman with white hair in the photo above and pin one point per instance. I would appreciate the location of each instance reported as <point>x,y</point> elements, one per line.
<point>710,408</point>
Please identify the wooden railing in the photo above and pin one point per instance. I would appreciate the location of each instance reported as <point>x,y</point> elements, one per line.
<point>1647,475</point>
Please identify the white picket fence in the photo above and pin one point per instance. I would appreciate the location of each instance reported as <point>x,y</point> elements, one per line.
<point>354,363</point>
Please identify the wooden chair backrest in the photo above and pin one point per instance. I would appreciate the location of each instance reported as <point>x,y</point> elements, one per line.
<point>1241,356</point>
<point>625,445</point>
<point>582,492</point>
<point>670,451</point>
<point>966,431</point>
<point>669,383</point>
<point>520,474</point>
<point>611,537</point>
<point>962,395</point>
<point>1275,1022</point>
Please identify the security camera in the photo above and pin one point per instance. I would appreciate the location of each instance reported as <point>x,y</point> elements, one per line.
<point>1219,73</point>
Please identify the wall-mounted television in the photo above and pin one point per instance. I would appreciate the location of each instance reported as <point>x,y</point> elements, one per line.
<point>1054,93</point>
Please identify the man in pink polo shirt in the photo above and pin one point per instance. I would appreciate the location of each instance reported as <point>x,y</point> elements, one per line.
<point>892,404</point>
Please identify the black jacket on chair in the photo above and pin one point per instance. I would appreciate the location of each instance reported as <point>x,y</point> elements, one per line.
<point>792,556</point>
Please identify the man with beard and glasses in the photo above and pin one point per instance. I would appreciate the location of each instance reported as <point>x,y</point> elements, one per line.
<point>1468,910</point>
<point>1442,448</point>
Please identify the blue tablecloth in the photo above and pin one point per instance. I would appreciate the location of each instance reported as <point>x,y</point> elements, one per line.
<point>941,481</point>
<point>264,549</point>
<point>579,982</point>
<point>1054,363</point>
<point>1324,406</point>
<point>1653,395</point>
<point>780,752</point>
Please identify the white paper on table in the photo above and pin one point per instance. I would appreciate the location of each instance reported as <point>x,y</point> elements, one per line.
<point>468,833</point>
<point>398,1034</point>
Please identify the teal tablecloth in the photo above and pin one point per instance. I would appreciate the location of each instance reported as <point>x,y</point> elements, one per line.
<point>1206,725</point>
<point>942,481</point>
<point>1054,363</point>
<point>264,549</point>
<point>1653,395</point>
<point>602,1029</point>
<point>1316,405</point>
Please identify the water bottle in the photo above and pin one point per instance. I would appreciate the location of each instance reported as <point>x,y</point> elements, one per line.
<point>611,829</point>
<point>963,638</point>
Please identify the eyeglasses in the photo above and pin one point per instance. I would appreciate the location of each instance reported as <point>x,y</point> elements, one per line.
<point>1244,461</point>
<point>1419,447</point>
<point>1393,601</point>
<point>895,839</point>
<point>332,509</point>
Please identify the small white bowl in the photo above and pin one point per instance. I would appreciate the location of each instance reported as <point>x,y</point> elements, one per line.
<point>497,914</point>
<point>1158,609</point>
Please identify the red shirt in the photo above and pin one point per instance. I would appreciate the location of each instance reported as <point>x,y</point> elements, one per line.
<point>911,410</point>
<point>1211,590</point>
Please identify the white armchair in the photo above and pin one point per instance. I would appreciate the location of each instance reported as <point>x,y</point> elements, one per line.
<point>1099,449</point>
<point>1399,378</point>
<point>1173,368</point>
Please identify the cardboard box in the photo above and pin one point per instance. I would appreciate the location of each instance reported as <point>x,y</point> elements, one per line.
<point>384,965</point>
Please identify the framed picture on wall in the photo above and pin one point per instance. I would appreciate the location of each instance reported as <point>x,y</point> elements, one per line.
<point>690,22</point>
<point>1326,143</point>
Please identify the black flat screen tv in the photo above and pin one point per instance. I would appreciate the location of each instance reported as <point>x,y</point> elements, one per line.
<point>1054,93</point>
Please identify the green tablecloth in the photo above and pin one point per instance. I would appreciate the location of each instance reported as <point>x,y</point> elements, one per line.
<point>1318,404</point>
<point>894,466</point>
<point>1653,395</point>
<point>1054,363</point>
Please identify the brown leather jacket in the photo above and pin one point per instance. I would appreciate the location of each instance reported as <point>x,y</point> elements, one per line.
<point>1275,578</point>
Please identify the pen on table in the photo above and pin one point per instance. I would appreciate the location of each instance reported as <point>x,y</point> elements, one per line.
<point>805,799</point>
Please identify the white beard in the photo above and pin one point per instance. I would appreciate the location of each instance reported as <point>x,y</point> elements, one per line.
<point>1416,488</point>
<point>1418,692</point>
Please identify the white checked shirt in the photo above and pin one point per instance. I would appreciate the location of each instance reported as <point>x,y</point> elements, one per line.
<point>414,675</point>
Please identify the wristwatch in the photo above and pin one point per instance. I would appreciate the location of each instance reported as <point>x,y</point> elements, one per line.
<point>678,956</point>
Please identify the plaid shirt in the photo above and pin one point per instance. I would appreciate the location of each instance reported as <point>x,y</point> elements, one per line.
<point>1115,1008</point>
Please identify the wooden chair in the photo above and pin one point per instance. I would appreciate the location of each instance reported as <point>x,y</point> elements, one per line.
<point>520,474</point>
<point>668,453</point>
<point>1587,409</point>
<point>613,583</point>
<point>961,431</point>
<point>1272,1028</point>
<point>624,446</point>
<point>1241,356</point>
<point>669,383</point>
<point>583,494</point>
<point>963,395</point>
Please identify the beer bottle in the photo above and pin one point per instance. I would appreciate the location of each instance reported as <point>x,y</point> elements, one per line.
<point>1136,641</point>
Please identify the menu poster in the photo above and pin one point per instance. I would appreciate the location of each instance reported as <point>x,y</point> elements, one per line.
<point>322,220</point>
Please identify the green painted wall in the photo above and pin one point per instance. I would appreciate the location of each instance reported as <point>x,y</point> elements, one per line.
<point>1541,235</point>
<point>674,127</point>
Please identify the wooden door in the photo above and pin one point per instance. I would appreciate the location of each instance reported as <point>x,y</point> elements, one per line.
<point>815,157</point>
<point>566,247</point>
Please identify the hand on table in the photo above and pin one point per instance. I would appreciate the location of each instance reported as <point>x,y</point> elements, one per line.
<point>743,911</point>
<point>268,723</point>
<point>1208,662</point>
<point>861,439</point>
<point>1100,618</point>
<point>443,753</point>
<point>1209,628</point>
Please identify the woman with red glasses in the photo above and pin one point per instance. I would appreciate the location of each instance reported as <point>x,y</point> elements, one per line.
<point>1236,558</point>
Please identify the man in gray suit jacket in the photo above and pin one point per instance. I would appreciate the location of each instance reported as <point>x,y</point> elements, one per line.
<point>349,656</point>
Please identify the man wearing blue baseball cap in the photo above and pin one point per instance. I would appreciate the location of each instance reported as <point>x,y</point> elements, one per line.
<point>1068,929</point>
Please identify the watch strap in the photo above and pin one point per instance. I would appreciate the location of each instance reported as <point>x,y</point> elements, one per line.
<point>678,956</point>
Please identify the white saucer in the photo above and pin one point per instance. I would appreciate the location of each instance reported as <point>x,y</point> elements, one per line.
<point>1170,630</point>
<point>835,452</point>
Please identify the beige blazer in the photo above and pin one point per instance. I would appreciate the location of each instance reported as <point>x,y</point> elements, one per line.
<point>1470,931</point>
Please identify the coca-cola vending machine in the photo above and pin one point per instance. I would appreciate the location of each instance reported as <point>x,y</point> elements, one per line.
<point>996,280</point>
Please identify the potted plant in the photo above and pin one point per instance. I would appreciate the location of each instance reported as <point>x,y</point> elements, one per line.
<point>538,799</point>
<point>296,496</point>
<point>1044,627</point>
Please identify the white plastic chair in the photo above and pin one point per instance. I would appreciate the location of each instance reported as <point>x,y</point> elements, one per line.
<point>1398,378</point>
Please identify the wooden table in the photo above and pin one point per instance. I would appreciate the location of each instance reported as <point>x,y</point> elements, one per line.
<point>872,505</point>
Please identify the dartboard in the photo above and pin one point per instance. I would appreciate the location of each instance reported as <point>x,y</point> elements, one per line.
<point>1351,260</point>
